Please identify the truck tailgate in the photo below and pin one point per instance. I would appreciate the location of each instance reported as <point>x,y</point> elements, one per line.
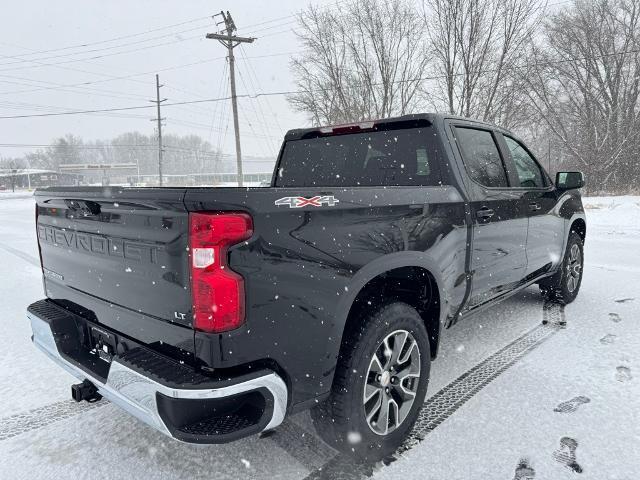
<point>126,247</point>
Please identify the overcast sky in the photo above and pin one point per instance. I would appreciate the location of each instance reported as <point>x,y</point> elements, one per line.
<point>35,62</point>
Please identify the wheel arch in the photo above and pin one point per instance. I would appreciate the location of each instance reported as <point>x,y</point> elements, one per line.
<point>397,276</point>
<point>579,226</point>
<point>575,222</point>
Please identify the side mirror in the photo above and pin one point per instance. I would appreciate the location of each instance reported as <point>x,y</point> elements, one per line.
<point>569,180</point>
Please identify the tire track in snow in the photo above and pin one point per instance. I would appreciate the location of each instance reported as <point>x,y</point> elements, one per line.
<point>446,401</point>
<point>304,446</point>
<point>20,254</point>
<point>42,416</point>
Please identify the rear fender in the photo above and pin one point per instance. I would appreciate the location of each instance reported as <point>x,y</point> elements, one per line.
<point>382,265</point>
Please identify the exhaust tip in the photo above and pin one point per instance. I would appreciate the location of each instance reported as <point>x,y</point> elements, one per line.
<point>85,391</point>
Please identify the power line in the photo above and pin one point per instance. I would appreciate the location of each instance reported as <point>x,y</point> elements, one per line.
<point>81,89</point>
<point>220,92</point>
<point>269,21</point>
<point>56,108</point>
<point>266,137</point>
<point>203,111</point>
<point>290,92</point>
<point>278,33</point>
<point>77,112</point>
<point>111,47</point>
<point>211,113</point>
<point>268,140</point>
<point>256,86</point>
<point>115,78</point>
<point>140,74</point>
<point>280,25</point>
<point>89,72</point>
<point>288,30</point>
<point>334,4</point>
<point>222,132</point>
<point>57,64</point>
<point>82,45</point>
<point>201,126</point>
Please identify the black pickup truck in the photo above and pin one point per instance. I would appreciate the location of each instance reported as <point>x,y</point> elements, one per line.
<point>212,313</point>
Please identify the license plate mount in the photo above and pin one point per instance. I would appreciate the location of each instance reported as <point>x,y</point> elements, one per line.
<point>104,344</point>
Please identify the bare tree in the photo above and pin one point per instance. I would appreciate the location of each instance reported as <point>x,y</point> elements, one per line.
<point>64,150</point>
<point>477,46</point>
<point>365,60</point>
<point>584,82</point>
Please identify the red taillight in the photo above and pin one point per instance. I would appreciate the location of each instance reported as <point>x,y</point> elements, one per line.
<point>216,290</point>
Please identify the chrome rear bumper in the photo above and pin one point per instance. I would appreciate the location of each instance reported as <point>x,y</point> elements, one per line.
<point>138,394</point>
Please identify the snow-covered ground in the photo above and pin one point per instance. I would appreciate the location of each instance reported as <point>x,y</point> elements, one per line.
<point>8,194</point>
<point>513,419</point>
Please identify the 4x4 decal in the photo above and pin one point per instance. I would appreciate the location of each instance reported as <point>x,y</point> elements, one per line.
<point>317,201</point>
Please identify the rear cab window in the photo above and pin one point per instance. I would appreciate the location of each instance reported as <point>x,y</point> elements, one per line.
<point>386,157</point>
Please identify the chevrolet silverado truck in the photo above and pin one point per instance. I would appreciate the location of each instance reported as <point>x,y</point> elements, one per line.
<point>213,313</point>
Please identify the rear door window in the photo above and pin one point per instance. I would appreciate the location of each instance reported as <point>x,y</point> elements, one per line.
<point>387,157</point>
<point>481,156</point>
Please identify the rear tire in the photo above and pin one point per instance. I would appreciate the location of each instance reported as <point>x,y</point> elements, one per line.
<point>385,358</point>
<point>564,285</point>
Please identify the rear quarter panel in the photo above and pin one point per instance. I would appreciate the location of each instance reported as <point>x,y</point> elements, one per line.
<point>304,266</point>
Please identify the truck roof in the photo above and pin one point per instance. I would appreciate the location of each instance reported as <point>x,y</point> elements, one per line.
<point>298,133</point>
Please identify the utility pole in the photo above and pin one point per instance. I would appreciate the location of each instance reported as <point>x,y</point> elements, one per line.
<point>28,173</point>
<point>159,119</point>
<point>230,41</point>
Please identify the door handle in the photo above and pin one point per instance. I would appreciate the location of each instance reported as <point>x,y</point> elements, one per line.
<point>485,213</point>
<point>534,207</point>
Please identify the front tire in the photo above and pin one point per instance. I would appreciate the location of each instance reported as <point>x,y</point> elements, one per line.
<point>380,383</point>
<point>564,285</point>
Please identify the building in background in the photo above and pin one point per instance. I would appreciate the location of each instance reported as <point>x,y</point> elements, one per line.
<point>34,178</point>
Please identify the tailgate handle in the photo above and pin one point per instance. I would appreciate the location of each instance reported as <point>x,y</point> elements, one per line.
<point>87,207</point>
